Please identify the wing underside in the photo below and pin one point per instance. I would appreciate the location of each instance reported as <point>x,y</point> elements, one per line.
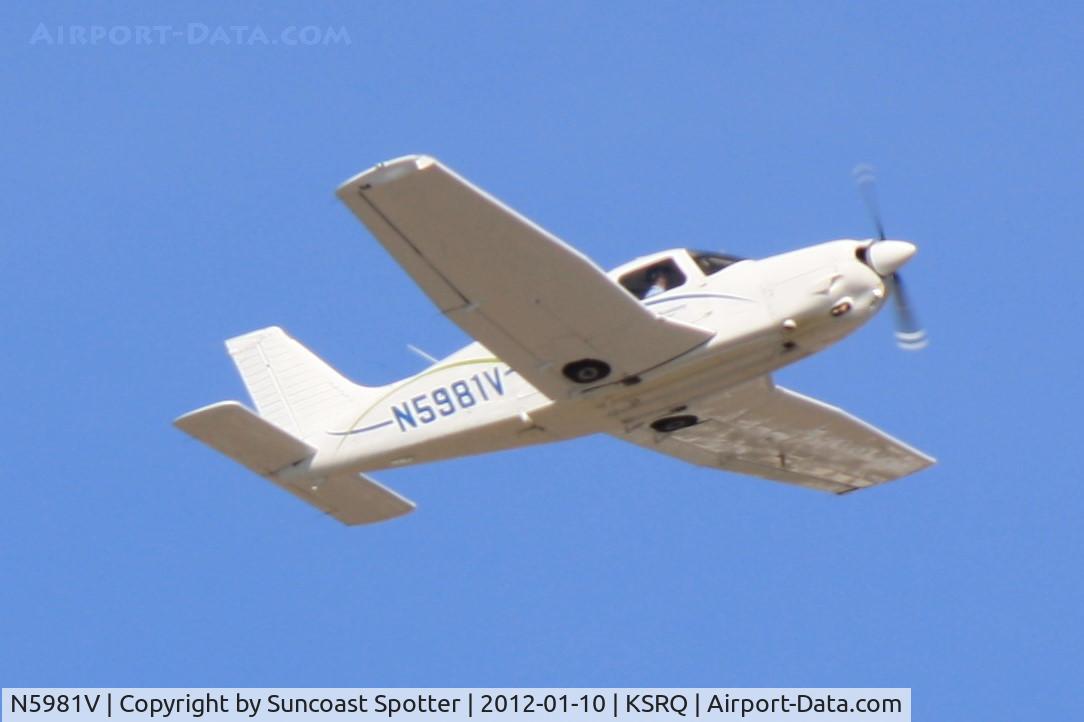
<point>768,431</point>
<point>528,297</point>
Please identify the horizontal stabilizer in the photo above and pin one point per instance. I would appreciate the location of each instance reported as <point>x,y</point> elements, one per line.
<point>238,433</point>
<point>351,498</point>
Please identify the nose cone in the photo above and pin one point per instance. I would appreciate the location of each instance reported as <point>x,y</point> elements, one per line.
<point>885,257</point>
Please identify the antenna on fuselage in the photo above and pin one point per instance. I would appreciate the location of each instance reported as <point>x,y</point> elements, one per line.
<point>421,353</point>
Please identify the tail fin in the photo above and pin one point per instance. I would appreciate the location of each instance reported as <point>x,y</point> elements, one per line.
<point>291,386</point>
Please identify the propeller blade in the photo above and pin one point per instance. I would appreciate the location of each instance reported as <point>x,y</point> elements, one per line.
<point>867,186</point>
<point>885,257</point>
<point>910,336</point>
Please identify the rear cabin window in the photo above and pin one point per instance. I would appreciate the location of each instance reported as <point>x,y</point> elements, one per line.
<point>654,279</point>
<point>711,263</point>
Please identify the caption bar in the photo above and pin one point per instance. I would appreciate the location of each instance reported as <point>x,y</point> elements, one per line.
<point>453,705</point>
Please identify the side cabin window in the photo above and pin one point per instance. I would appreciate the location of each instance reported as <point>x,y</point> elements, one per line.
<point>711,263</point>
<point>654,279</point>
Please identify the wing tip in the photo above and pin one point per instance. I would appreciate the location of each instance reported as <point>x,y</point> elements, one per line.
<point>388,172</point>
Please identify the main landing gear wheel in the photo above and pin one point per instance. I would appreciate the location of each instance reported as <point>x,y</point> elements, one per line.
<point>668,424</point>
<point>586,371</point>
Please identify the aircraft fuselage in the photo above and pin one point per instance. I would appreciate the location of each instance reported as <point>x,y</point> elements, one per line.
<point>763,315</point>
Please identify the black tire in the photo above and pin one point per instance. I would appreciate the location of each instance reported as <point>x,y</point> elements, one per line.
<point>668,424</point>
<point>586,371</point>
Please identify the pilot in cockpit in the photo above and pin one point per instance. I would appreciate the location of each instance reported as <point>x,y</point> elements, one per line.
<point>659,281</point>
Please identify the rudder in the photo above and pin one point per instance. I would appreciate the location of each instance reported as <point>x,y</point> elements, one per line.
<point>291,386</point>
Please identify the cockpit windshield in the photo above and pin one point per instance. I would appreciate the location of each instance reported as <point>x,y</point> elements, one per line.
<point>711,263</point>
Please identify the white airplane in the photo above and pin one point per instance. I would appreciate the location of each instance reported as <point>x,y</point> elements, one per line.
<point>673,351</point>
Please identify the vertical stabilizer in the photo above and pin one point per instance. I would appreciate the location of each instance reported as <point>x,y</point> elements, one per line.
<point>290,386</point>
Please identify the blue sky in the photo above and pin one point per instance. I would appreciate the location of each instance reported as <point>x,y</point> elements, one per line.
<point>160,199</point>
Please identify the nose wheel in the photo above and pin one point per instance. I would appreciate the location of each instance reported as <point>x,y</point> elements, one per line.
<point>669,424</point>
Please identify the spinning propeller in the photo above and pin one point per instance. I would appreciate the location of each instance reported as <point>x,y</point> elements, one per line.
<point>885,257</point>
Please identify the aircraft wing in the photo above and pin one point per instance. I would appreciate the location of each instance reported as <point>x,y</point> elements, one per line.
<point>528,297</point>
<point>768,431</point>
